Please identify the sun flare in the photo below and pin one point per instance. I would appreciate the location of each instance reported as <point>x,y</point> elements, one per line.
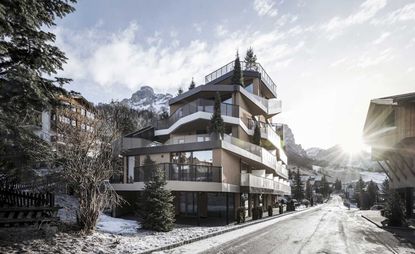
<point>354,146</point>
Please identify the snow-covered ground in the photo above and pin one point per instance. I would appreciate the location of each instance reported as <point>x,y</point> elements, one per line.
<point>113,225</point>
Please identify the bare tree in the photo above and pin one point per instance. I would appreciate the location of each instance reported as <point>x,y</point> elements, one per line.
<point>86,155</point>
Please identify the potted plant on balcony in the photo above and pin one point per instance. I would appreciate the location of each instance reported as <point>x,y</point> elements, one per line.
<point>240,216</point>
<point>217,126</point>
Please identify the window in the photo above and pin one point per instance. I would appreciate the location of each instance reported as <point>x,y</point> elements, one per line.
<point>202,157</point>
<point>250,88</point>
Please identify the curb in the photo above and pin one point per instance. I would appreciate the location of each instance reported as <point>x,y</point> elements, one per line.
<point>175,245</point>
<point>388,227</point>
<point>377,225</point>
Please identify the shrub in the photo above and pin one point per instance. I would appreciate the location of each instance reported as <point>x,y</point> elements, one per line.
<point>240,215</point>
<point>270,210</point>
<point>394,210</point>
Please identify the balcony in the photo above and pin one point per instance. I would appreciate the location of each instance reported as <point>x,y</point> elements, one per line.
<point>199,105</point>
<point>250,151</point>
<point>267,132</point>
<point>259,184</point>
<point>245,67</point>
<point>269,106</point>
<point>180,172</point>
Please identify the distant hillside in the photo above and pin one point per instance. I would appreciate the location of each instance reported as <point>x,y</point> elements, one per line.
<point>296,154</point>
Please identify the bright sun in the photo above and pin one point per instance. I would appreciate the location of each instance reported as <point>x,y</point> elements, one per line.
<point>354,146</point>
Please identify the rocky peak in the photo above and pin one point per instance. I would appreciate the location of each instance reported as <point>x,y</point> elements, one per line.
<point>146,99</point>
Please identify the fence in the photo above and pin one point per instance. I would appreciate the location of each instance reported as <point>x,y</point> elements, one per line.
<point>18,198</point>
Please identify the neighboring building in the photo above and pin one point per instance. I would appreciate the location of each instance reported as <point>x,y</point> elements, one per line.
<point>210,176</point>
<point>390,131</point>
<point>77,112</point>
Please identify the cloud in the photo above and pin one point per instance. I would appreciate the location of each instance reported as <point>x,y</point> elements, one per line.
<point>367,10</point>
<point>381,38</point>
<point>125,60</point>
<point>406,13</point>
<point>265,8</point>
<point>367,60</point>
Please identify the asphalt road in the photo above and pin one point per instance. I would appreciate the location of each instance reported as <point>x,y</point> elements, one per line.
<point>332,228</point>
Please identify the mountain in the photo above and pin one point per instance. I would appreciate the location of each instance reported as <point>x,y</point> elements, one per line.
<point>146,99</point>
<point>296,154</point>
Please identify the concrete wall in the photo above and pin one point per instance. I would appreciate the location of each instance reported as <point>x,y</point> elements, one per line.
<point>231,168</point>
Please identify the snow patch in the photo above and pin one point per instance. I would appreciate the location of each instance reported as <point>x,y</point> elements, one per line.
<point>119,226</point>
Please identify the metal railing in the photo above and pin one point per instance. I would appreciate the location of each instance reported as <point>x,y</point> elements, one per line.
<point>199,105</point>
<point>180,172</point>
<point>246,67</point>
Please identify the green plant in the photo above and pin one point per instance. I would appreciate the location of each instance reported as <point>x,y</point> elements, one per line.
<point>158,209</point>
<point>394,210</point>
<point>237,76</point>
<point>240,215</point>
<point>270,210</point>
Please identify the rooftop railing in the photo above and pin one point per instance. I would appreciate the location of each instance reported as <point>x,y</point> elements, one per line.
<point>199,105</point>
<point>246,67</point>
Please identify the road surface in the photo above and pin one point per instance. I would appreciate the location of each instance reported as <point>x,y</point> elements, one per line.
<point>331,228</point>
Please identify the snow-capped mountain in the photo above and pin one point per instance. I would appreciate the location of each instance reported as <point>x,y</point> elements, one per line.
<point>147,99</point>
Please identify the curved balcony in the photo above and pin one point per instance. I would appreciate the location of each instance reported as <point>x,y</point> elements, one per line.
<point>245,67</point>
<point>199,105</point>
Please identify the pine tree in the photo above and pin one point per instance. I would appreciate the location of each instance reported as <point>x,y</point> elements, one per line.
<point>308,190</point>
<point>29,61</point>
<point>237,76</point>
<point>157,203</point>
<point>257,133</point>
<point>394,209</point>
<point>325,188</point>
<point>372,191</point>
<point>250,59</point>
<point>217,125</point>
<point>192,85</point>
<point>298,186</point>
<point>338,185</point>
<point>385,187</point>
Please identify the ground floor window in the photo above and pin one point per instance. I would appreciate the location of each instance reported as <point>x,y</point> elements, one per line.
<point>188,203</point>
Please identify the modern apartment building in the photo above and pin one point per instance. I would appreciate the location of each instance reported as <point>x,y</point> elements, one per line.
<point>211,176</point>
<point>390,131</point>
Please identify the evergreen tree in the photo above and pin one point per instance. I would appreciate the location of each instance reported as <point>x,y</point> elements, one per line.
<point>179,91</point>
<point>325,188</point>
<point>237,76</point>
<point>298,186</point>
<point>257,133</point>
<point>385,187</point>
<point>338,185</point>
<point>372,191</point>
<point>217,125</point>
<point>192,85</point>
<point>250,59</point>
<point>157,203</point>
<point>29,61</point>
<point>394,209</point>
<point>308,190</point>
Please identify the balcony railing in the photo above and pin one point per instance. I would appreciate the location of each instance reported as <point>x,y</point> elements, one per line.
<point>199,105</point>
<point>267,158</point>
<point>246,67</point>
<point>260,182</point>
<point>180,172</point>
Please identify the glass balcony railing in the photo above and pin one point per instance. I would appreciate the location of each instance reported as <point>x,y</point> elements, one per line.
<point>267,158</point>
<point>246,67</point>
<point>252,180</point>
<point>199,105</point>
<point>180,172</point>
<point>267,132</point>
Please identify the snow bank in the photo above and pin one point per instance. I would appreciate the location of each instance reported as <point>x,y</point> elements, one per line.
<point>112,225</point>
<point>70,206</point>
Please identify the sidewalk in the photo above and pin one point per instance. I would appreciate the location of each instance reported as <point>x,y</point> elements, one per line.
<point>404,234</point>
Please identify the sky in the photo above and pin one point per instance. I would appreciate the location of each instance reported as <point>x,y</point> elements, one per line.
<point>328,58</point>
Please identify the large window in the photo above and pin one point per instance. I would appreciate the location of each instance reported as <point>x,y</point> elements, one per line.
<point>196,157</point>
